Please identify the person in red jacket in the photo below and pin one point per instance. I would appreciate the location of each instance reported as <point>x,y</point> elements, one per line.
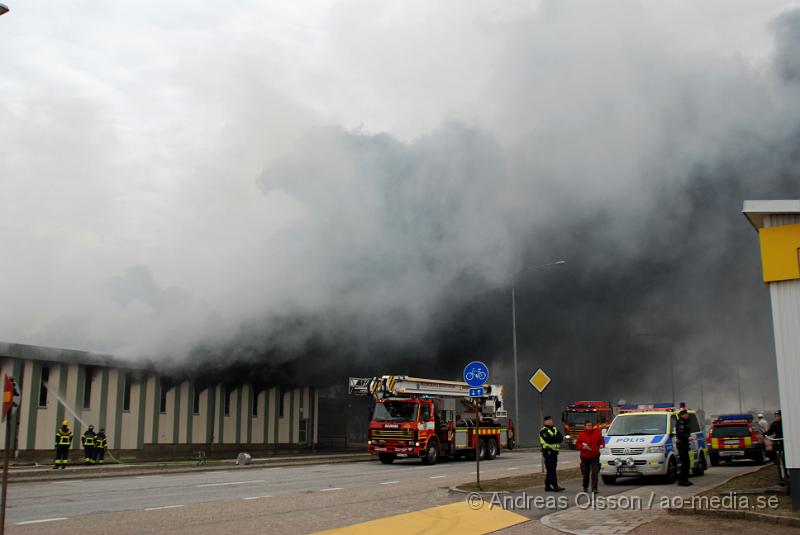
<point>589,442</point>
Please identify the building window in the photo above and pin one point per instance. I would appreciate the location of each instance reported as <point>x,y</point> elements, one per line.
<point>228,393</point>
<point>126,392</point>
<point>280,402</point>
<point>42,388</point>
<point>254,398</point>
<point>163,389</point>
<point>196,401</point>
<point>87,388</point>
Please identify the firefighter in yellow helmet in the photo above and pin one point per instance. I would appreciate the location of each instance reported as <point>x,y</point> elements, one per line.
<point>63,443</point>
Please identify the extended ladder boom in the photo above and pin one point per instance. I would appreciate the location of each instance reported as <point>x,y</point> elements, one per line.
<point>405,386</point>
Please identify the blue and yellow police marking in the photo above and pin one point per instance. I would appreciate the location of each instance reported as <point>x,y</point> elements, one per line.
<point>779,247</point>
<point>454,518</point>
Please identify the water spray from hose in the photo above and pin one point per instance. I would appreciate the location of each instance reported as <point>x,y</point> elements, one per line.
<point>69,409</point>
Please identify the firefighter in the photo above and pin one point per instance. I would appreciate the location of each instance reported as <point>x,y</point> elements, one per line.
<point>100,446</point>
<point>63,442</point>
<point>683,439</point>
<point>550,438</point>
<point>88,445</point>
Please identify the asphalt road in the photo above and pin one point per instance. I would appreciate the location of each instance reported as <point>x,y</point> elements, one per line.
<point>264,500</point>
<point>41,501</point>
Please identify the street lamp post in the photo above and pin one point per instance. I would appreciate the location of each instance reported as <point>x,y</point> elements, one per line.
<point>514,337</point>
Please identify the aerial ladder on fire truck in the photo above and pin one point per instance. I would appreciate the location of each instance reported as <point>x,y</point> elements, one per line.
<point>420,417</point>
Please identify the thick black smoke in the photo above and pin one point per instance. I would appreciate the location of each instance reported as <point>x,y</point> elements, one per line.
<point>423,241</point>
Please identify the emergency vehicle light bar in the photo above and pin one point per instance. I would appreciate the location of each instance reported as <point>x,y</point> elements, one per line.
<point>735,417</point>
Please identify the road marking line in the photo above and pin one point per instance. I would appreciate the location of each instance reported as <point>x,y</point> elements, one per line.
<point>389,482</point>
<point>513,468</point>
<point>330,489</point>
<point>162,507</point>
<point>257,497</point>
<point>231,483</point>
<point>40,521</point>
<point>437,477</point>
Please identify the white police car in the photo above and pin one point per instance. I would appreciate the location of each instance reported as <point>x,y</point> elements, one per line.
<point>641,442</point>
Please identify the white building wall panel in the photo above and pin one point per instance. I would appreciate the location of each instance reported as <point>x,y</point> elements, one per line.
<point>786,323</point>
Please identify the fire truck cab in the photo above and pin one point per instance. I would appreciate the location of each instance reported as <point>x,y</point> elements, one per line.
<point>428,418</point>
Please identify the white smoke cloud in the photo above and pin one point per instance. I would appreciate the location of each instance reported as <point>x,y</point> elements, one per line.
<point>174,171</point>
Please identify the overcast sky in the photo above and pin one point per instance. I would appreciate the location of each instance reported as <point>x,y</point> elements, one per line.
<point>172,169</point>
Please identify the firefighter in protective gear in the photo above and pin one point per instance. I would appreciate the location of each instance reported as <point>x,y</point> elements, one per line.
<point>550,439</point>
<point>63,442</point>
<point>100,446</point>
<point>88,445</point>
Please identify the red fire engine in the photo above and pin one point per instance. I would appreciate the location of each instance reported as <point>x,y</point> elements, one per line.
<point>429,418</point>
<point>601,413</point>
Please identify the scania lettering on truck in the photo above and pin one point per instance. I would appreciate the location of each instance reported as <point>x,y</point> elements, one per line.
<point>430,418</point>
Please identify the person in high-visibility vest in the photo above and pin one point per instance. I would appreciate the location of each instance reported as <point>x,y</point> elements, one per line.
<point>63,443</point>
<point>100,446</point>
<point>88,445</point>
<point>550,439</point>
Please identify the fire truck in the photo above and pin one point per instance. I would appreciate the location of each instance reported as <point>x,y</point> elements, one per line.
<point>576,413</point>
<point>430,418</point>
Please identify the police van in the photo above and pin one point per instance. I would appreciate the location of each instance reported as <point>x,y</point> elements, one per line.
<point>641,442</point>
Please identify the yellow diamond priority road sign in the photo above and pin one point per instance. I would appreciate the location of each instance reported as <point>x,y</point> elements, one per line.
<point>539,380</point>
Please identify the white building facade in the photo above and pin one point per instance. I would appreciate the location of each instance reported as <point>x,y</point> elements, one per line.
<point>147,415</point>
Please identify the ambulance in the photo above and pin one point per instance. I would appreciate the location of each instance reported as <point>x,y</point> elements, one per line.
<point>641,442</point>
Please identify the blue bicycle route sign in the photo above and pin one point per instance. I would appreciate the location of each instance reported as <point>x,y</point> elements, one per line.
<point>476,373</point>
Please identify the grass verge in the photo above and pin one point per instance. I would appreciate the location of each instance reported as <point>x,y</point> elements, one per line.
<point>518,483</point>
<point>764,479</point>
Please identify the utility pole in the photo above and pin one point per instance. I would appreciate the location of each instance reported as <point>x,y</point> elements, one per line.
<point>516,373</point>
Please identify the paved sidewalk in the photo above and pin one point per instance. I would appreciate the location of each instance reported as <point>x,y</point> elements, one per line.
<point>625,511</point>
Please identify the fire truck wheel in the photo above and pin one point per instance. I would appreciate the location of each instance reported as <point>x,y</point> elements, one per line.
<point>491,449</point>
<point>482,449</point>
<point>714,459</point>
<point>387,458</point>
<point>431,453</point>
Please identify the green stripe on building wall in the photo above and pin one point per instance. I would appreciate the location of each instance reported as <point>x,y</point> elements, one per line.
<point>118,411</point>
<point>277,411</point>
<point>101,422</point>
<point>252,399</point>
<point>238,435</point>
<point>77,404</point>
<point>142,405</point>
<point>33,408</point>
<point>291,415</point>
<point>221,407</point>
<point>176,420</point>
<point>311,415</point>
<point>156,408</point>
<point>210,415</point>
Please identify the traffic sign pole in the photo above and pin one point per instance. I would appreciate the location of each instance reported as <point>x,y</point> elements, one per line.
<point>477,442</point>
<point>541,421</point>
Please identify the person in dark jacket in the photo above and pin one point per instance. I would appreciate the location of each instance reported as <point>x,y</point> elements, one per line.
<point>100,446</point>
<point>550,439</point>
<point>775,431</point>
<point>589,442</point>
<point>63,443</point>
<point>88,445</point>
<point>683,438</point>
